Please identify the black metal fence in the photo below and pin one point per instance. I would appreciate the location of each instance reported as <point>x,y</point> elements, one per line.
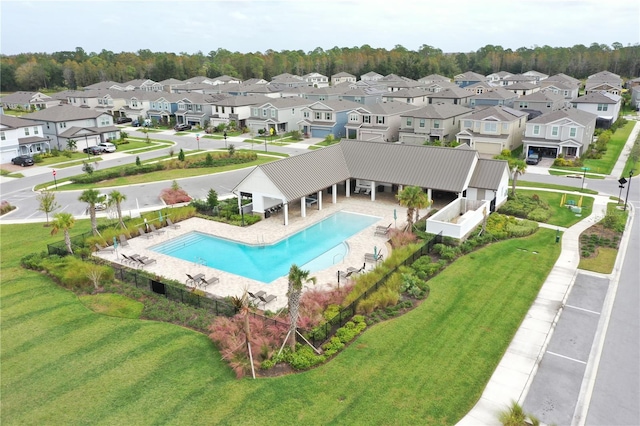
<point>60,248</point>
<point>321,333</point>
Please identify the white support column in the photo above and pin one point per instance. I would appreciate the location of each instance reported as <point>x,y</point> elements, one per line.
<point>303,207</point>
<point>334,193</point>
<point>347,187</point>
<point>373,190</point>
<point>286,214</point>
<point>429,194</point>
<point>319,200</point>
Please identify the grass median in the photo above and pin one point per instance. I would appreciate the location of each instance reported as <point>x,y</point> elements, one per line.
<point>64,364</point>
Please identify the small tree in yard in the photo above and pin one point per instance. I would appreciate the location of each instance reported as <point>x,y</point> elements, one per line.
<point>95,275</point>
<point>414,199</point>
<point>117,198</point>
<point>231,149</point>
<point>64,221</point>
<point>138,163</point>
<point>87,168</point>
<point>181,155</point>
<point>71,145</point>
<point>297,277</point>
<point>212,199</point>
<point>92,197</point>
<point>47,203</point>
<point>518,167</point>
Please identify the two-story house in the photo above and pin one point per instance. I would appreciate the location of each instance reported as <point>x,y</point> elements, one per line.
<point>495,78</point>
<point>136,104</point>
<point>567,90</point>
<point>494,96</point>
<point>86,126</point>
<point>163,108</point>
<point>196,109</point>
<point>282,115</point>
<point>413,96</point>
<point>490,130</point>
<point>323,118</point>
<point>19,136</point>
<point>433,78</point>
<point>468,78</point>
<point>539,76</point>
<point>437,123</point>
<point>453,95</point>
<point>377,122</point>
<point>541,101</point>
<point>604,104</point>
<point>371,76</point>
<point>316,79</point>
<point>342,77</point>
<point>28,101</point>
<point>108,100</point>
<point>568,131</point>
<point>235,108</point>
<point>604,81</point>
<point>284,82</point>
<point>145,85</point>
<point>364,95</point>
<point>563,78</point>
<point>330,93</point>
<point>523,89</point>
<point>519,79</point>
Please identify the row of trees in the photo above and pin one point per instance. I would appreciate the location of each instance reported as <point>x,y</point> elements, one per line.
<point>73,69</point>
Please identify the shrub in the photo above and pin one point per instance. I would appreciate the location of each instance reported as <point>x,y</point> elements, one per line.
<point>304,358</point>
<point>615,220</point>
<point>5,207</point>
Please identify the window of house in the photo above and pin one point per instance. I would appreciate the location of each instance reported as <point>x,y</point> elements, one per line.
<point>467,123</point>
<point>305,114</point>
<point>84,101</point>
<point>554,131</point>
<point>573,132</point>
<point>436,124</point>
<point>505,127</point>
<point>322,98</point>
<point>353,117</point>
<point>217,108</point>
<point>264,112</point>
<point>328,116</point>
<point>524,105</point>
<point>422,122</point>
<point>47,125</point>
<point>536,130</point>
<point>357,99</point>
<point>603,107</point>
<point>491,126</point>
<point>273,113</point>
<point>548,104</point>
<point>255,112</point>
<point>134,103</point>
<point>566,93</point>
<point>409,122</point>
<point>3,136</point>
<point>317,115</point>
<point>189,107</point>
<point>380,119</point>
<point>199,108</point>
<point>366,119</point>
<point>63,125</point>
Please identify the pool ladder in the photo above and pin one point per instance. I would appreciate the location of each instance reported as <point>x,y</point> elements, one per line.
<point>260,243</point>
<point>200,261</point>
<point>336,255</point>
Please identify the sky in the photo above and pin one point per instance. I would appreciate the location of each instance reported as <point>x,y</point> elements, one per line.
<point>257,26</point>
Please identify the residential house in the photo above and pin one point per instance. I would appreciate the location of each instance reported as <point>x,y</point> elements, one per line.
<point>567,90</point>
<point>28,101</point>
<point>163,108</point>
<point>282,115</point>
<point>402,84</point>
<point>495,96</point>
<point>136,104</point>
<point>604,104</point>
<point>282,83</point>
<point>323,118</point>
<point>468,78</point>
<point>316,79</point>
<point>86,126</point>
<point>493,129</point>
<point>568,131</point>
<point>256,81</point>
<point>342,77</point>
<point>437,123</point>
<point>454,95</point>
<point>496,78</point>
<point>603,81</point>
<point>413,96</point>
<point>371,76</point>
<point>19,136</point>
<point>377,122</point>
<point>199,79</point>
<point>631,83</point>
<point>635,98</point>
<point>330,93</point>
<point>105,85</point>
<point>196,109</point>
<point>438,86</point>
<point>563,78</point>
<point>479,88</point>
<point>285,75</point>
<point>225,79</point>
<point>541,101</point>
<point>519,79</point>
<point>235,108</point>
<point>145,85</point>
<point>245,89</point>
<point>539,76</point>
<point>523,89</point>
<point>364,95</point>
<point>169,83</point>
<point>107,100</point>
<point>434,78</point>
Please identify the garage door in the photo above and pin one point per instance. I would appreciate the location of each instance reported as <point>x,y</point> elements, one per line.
<point>365,136</point>
<point>412,139</point>
<point>8,155</point>
<point>488,148</point>
<point>319,133</point>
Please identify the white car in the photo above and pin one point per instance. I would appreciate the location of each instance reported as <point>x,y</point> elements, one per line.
<point>102,205</point>
<point>107,146</point>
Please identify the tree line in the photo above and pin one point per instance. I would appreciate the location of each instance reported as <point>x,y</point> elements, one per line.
<point>74,69</point>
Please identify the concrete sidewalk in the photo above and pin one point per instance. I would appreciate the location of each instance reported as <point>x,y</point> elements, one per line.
<point>515,372</point>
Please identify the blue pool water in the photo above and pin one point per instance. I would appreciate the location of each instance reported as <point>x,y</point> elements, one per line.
<point>314,248</point>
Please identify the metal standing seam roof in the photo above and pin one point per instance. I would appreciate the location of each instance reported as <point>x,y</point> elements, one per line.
<point>488,173</point>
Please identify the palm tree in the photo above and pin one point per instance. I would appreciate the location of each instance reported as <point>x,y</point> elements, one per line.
<point>297,277</point>
<point>64,221</point>
<point>92,197</point>
<point>518,167</point>
<point>414,199</point>
<point>117,198</point>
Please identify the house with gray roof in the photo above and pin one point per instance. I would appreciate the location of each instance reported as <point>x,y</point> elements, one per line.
<point>519,78</point>
<point>567,90</point>
<point>433,78</point>
<point>105,85</point>
<point>635,97</point>
<point>605,105</point>
<point>196,109</point>
<point>493,129</point>
<point>86,126</point>
<point>523,89</point>
<point>163,107</point>
<point>19,136</point>
<point>496,78</point>
<point>438,86</point>
<point>334,171</point>
<point>107,100</point>
<point>168,84</point>
<point>539,76</point>
<point>467,78</point>
<point>377,122</point>
<point>235,108</point>
<point>316,79</point>
<point>431,124</point>
<point>412,96</point>
<point>604,81</point>
<point>342,77</point>
<point>283,83</point>
<point>453,95</point>
<point>324,118</point>
<point>542,101</point>
<point>563,78</point>
<point>366,95</point>
<point>145,85</point>
<point>568,131</point>
<point>28,101</point>
<point>371,76</point>
<point>329,93</point>
<point>493,96</point>
<point>282,115</point>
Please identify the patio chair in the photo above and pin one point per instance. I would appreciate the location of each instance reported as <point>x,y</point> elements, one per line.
<point>123,241</point>
<point>345,275</point>
<point>144,234</point>
<point>356,190</point>
<point>266,299</point>
<point>171,224</point>
<point>367,191</point>
<point>382,230</point>
<point>144,261</point>
<point>356,270</point>
<point>156,231</point>
<point>371,258</point>
<point>256,295</point>
<point>205,282</point>
<point>126,259</point>
<point>107,248</point>
<point>193,279</point>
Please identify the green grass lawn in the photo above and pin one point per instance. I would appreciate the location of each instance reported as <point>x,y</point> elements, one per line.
<point>526,184</point>
<point>64,364</point>
<point>561,215</point>
<point>114,305</point>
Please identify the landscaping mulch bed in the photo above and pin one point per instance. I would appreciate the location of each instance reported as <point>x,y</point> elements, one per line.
<point>604,237</point>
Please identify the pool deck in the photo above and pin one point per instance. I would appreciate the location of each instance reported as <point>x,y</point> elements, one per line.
<point>269,231</point>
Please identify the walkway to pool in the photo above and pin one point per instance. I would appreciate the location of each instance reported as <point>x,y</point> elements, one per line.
<point>268,231</point>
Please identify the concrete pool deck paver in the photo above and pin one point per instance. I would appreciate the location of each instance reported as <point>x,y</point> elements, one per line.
<point>268,231</point>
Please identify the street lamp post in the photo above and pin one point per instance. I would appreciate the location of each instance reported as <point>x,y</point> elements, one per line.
<point>87,142</point>
<point>225,139</point>
<point>584,176</point>
<point>198,140</point>
<point>628,186</point>
<point>265,140</point>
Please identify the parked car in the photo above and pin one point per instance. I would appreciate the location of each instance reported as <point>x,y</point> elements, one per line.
<point>102,205</point>
<point>107,147</point>
<point>93,150</point>
<point>533,159</point>
<point>121,120</point>
<point>135,123</point>
<point>23,160</point>
<point>182,127</point>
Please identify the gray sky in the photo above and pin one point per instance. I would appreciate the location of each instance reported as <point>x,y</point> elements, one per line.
<point>251,26</point>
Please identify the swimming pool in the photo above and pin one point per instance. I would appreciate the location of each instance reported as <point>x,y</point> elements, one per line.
<point>314,248</point>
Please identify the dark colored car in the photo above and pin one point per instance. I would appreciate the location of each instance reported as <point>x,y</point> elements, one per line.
<point>23,160</point>
<point>121,120</point>
<point>181,127</point>
<point>533,159</point>
<point>135,123</point>
<point>94,150</point>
